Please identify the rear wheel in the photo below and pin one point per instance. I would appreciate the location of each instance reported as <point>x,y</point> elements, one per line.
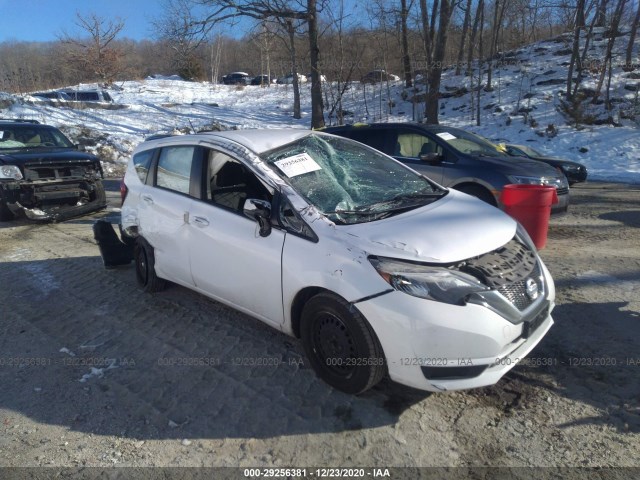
<point>478,192</point>
<point>341,345</point>
<point>145,268</point>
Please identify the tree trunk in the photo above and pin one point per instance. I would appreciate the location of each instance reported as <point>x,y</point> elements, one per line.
<point>480,64</point>
<point>632,38</point>
<point>601,13</point>
<point>406,61</point>
<point>317,110</point>
<point>435,73</point>
<point>424,15</point>
<point>472,39</point>
<point>615,22</point>
<point>465,29</point>
<point>498,15</point>
<point>294,70</point>
<point>575,51</point>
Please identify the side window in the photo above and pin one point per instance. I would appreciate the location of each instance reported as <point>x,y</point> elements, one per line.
<point>373,138</point>
<point>174,168</point>
<point>413,145</point>
<point>230,183</point>
<point>142,162</point>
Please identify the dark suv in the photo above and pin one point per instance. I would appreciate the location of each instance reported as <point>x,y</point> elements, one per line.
<point>44,176</point>
<point>236,78</point>
<point>457,159</point>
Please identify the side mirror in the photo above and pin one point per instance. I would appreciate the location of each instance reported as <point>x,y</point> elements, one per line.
<point>432,158</point>
<point>260,211</point>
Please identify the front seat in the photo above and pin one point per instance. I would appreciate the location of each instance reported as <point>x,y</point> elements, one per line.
<point>228,186</point>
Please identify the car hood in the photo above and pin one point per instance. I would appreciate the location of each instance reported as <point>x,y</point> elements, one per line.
<point>42,156</point>
<point>451,229</point>
<point>520,166</point>
<point>558,161</point>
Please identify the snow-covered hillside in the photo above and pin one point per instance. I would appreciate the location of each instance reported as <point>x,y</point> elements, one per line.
<point>523,108</point>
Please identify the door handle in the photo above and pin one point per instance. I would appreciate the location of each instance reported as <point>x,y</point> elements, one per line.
<point>201,221</point>
<point>147,198</point>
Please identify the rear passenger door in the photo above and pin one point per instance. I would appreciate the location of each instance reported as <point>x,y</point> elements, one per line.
<point>164,210</point>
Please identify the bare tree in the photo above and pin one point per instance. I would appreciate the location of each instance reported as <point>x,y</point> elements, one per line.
<point>498,15</point>
<point>575,51</point>
<point>632,39</point>
<point>406,60</point>
<point>175,27</point>
<point>94,52</point>
<point>613,33</point>
<point>443,10</point>
<point>264,40</point>
<point>465,29</point>
<point>261,10</point>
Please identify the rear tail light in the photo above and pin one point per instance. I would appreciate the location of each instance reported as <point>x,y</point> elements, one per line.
<point>123,190</point>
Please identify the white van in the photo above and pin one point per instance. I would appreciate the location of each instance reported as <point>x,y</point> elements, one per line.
<point>377,269</point>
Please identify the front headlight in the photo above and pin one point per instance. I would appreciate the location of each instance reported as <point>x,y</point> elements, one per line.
<point>10,172</point>
<point>440,284</point>
<point>558,182</point>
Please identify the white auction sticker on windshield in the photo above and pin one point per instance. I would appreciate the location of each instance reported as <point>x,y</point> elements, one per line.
<point>297,165</point>
<point>446,136</point>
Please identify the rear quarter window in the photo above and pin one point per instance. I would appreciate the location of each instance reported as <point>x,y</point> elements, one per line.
<point>374,138</point>
<point>174,168</point>
<point>142,163</point>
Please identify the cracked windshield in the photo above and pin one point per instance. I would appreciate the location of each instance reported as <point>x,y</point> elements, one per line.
<point>348,182</point>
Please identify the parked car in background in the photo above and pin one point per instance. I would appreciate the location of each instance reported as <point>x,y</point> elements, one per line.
<point>44,176</point>
<point>90,95</point>
<point>54,95</point>
<point>457,159</point>
<point>236,78</point>
<point>377,76</point>
<point>288,79</point>
<point>574,171</point>
<point>321,77</point>
<point>261,80</point>
<point>377,269</point>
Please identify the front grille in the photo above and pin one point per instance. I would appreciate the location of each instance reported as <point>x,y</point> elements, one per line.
<point>516,292</point>
<point>562,191</point>
<point>52,171</point>
<point>507,270</point>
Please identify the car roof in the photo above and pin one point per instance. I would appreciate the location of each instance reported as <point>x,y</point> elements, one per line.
<point>20,121</point>
<point>257,140</point>
<point>424,126</point>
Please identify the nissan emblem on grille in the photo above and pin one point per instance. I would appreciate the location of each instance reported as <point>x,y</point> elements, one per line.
<point>531,288</point>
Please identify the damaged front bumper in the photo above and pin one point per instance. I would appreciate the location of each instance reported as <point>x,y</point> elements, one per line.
<point>53,200</point>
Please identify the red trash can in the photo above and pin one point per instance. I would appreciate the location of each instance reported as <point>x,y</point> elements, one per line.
<point>531,206</point>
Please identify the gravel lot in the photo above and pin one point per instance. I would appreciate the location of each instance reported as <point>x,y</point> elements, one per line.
<point>170,385</point>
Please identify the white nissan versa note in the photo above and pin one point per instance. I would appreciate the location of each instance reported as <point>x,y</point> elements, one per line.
<point>376,268</point>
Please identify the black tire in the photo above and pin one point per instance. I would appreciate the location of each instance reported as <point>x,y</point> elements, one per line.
<point>100,194</point>
<point>478,192</point>
<point>145,268</point>
<point>341,345</point>
<point>6,215</point>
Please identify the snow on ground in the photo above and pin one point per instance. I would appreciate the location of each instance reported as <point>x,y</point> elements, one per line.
<point>522,109</point>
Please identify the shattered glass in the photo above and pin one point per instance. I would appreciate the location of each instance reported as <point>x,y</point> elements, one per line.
<point>349,182</point>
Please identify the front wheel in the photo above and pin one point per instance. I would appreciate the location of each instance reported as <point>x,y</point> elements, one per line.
<point>341,345</point>
<point>145,267</point>
<point>478,192</point>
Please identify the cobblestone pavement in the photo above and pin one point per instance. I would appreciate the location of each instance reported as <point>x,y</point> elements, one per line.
<point>94,372</point>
